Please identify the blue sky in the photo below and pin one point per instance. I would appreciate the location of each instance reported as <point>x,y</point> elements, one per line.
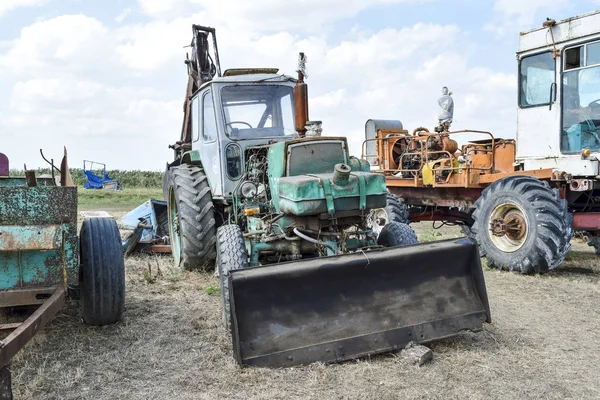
<point>106,78</point>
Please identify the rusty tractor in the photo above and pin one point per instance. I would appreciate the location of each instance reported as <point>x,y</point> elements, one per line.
<point>284,213</point>
<point>520,199</point>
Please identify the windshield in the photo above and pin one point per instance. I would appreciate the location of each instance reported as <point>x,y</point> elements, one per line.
<point>258,111</point>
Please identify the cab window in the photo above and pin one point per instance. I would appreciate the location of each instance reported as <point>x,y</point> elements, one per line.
<point>536,76</point>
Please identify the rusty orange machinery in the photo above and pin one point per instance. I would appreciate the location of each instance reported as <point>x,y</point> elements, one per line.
<point>433,159</point>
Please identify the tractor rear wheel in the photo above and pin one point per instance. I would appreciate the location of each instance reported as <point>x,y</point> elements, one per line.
<point>394,211</point>
<point>397,234</point>
<point>102,272</point>
<point>522,225</point>
<point>191,218</point>
<point>231,255</point>
<point>167,183</point>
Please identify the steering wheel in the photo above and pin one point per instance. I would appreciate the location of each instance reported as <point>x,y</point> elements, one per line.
<point>239,122</point>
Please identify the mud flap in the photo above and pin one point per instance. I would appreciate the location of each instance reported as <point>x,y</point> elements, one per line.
<point>344,307</point>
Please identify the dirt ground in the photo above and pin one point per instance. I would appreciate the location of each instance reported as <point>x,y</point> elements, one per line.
<point>543,343</point>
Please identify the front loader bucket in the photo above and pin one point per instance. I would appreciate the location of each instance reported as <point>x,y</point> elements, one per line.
<point>343,307</point>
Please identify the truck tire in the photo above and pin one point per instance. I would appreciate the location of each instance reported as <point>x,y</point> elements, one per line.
<point>167,183</point>
<point>191,219</point>
<point>397,234</point>
<point>231,255</point>
<point>522,225</point>
<point>394,211</point>
<point>102,272</point>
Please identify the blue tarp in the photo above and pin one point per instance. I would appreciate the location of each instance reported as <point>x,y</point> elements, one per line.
<point>97,182</point>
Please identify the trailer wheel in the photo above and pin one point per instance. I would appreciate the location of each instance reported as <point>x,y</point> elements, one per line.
<point>102,272</point>
<point>394,211</point>
<point>231,255</point>
<point>191,218</point>
<point>397,234</point>
<point>522,225</point>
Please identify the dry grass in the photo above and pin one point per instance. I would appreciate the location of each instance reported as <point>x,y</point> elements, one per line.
<point>543,344</point>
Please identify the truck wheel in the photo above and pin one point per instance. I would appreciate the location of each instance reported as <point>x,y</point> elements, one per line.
<point>395,210</point>
<point>102,272</point>
<point>397,234</point>
<point>523,225</point>
<point>231,255</point>
<point>191,218</point>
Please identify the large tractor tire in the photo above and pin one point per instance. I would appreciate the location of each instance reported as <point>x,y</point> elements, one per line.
<point>191,219</point>
<point>394,211</point>
<point>397,234</point>
<point>102,272</point>
<point>231,255</point>
<point>522,225</point>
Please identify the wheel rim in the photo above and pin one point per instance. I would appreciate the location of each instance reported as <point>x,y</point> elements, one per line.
<point>377,219</point>
<point>174,227</point>
<point>508,227</point>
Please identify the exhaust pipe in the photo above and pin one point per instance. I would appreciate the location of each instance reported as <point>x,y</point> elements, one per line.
<point>301,97</point>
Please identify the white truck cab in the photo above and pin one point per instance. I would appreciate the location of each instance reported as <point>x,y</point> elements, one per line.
<point>558,115</point>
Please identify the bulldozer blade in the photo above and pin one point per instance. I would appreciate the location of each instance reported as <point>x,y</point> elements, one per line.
<point>344,307</point>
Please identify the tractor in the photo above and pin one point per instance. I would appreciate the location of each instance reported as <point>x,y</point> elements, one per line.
<point>520,199</point>
<point>285,213</point>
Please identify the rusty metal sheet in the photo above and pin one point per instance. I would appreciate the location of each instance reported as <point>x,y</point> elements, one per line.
<point>14,342</point>
<point>39,244</point>
<point>30,237</point>
<point>25,297</point>
<point>21,205</point>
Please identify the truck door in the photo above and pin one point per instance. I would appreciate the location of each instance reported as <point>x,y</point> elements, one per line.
<point>538,114</point>
<point>206,140</point>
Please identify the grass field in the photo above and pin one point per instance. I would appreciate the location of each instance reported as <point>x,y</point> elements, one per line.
<point>543,343</point>
<point>123,199</point>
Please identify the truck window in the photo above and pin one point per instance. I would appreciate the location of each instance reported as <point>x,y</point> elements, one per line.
<point>195,128</point>
<point>536,75</point>
<point>258,111</point>
<point>581,101</point>
<point>209,123</point>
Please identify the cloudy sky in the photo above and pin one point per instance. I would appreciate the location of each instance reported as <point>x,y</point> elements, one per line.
<point>107,79</point>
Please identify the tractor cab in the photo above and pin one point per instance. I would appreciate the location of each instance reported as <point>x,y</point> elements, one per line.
<point>240,110</point>
<point>558,115</point>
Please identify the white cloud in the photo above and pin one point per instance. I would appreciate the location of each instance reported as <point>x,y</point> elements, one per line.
<point>514,15</point>
<point>65,44</point>
<point>124,14</point>
<point>9,5</point>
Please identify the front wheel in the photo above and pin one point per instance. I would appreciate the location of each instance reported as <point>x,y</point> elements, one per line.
<point>522,225</point>
<point>102,272</point>
<point>231,255</point>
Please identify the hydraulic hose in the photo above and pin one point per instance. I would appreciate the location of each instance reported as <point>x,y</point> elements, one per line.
<point>315,241</point>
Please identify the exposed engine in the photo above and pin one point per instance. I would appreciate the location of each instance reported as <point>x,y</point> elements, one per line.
<point>425,151</point>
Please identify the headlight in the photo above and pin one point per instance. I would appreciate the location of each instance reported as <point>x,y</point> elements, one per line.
<point>233,156</point>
